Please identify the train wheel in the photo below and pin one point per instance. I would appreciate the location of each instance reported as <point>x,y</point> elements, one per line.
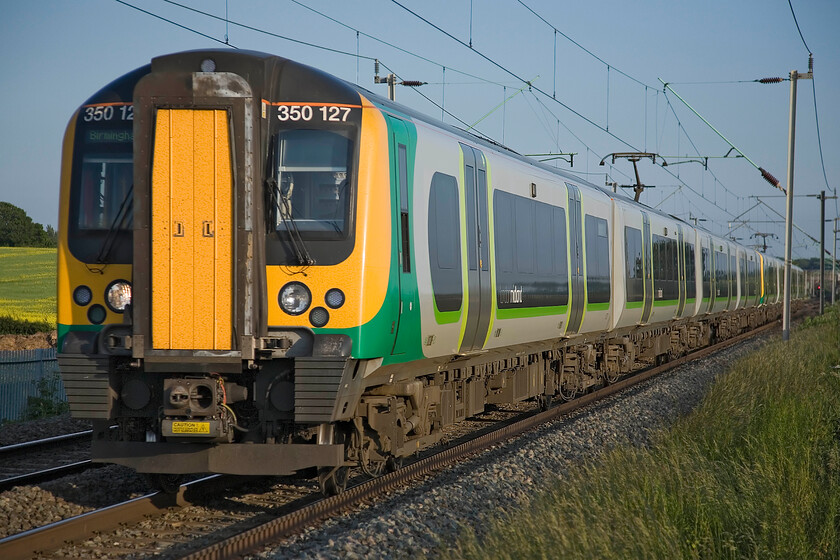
<point>166,483</point>
<point>373,460</point>
<point>544,401</point>
<point>333,480</point>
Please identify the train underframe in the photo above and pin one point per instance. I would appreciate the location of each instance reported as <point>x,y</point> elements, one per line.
<point>330,413</point>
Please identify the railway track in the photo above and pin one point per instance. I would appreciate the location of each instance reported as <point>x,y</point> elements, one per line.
<point>36,461</point>
<point>245,533</point>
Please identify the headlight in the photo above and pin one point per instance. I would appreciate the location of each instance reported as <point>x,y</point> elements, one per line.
<point>334,298</point>
<point>294,298</point>
<point>319,317</point>
<point>82,296</point>
<point>96,314</point>
<point>118,295</point>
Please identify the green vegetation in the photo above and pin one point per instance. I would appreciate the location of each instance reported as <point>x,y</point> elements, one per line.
<point>754,472</point>
<point>18,230</point>
<point>49,401</point>
<point>27,290</point>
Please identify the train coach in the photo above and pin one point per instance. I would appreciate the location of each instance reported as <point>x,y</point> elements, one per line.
<point>265,270</point>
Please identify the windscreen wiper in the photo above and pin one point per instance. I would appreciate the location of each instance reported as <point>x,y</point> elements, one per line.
<point>283,207</point>
<point>116,224</point>
<point>285,211</point>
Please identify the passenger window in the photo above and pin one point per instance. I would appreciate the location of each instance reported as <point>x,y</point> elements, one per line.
<point>445,243</point>
<point>404,226</point>
<point>597,260</point>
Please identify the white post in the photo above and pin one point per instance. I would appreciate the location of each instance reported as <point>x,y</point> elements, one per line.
<point>789,213</point>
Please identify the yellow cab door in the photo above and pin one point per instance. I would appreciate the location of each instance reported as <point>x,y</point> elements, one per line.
<point>192,235</point>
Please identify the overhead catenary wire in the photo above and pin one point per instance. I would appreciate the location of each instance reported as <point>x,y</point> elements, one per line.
<point>227,43</point>
<point>543,120</point>
<point>430,100</point>
<point>190,29</point>
<point>504,101</point>
<point>767,176</point>
<point>816,110</point>
<point>797,26</point>
<point>443,111</point>
<point>262,31</point>
<point>610,68</point>
<point>764,173</point>
<point>576,137</point>
<point>584,49</point>
<point>819,141</point>
<point>535,88</point>
<point>393,46</point>
<point>278,36</point>
<point>667,86</point>
<point>805,233</point>
<point>357,55</point>
<point>696,150</point>
<point>507,71</point>
<point>617,170</point>
<point>759,80</point>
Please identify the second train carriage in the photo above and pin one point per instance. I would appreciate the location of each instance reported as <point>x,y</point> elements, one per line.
<point>263,269</point>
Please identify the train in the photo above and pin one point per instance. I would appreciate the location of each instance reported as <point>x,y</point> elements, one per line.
<point>266,270</point>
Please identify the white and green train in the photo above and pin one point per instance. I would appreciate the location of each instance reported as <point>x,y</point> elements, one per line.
<point>264,269</point>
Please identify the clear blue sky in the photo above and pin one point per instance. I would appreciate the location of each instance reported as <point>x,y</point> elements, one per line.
<point>57,53</point>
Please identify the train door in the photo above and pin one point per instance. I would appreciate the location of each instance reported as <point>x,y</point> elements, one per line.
<point>408,326</point>
<point>648,265</point>
<point>192,231</point>
<point>576,286</point>
<point>681,269</point>
<point>479,303</point>
<point>733,280</point>
<point>712,276</point>
<point>760,274</point>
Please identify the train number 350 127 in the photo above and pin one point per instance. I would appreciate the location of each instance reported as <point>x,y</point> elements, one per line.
<point>330,113</point>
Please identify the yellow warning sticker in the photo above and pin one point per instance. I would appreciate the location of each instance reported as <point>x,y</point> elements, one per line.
<point>191,428</point>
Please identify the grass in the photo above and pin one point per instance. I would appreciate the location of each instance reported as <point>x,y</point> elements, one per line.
<point>27,289</point>
<point>754,472</point>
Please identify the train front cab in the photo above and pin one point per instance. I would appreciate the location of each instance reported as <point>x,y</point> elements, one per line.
<point>233,338</point>
<point>94,272</point>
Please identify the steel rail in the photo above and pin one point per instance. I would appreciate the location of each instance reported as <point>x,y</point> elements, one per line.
<point>38,541</point>
<point>16,450</point>
<point>46,443</point>
<point>48,474</point>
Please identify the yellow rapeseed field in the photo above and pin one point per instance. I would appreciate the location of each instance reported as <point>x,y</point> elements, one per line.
<point>27,284</point>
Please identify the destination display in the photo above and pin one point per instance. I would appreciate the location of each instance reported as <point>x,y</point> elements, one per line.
<point>107,123</point>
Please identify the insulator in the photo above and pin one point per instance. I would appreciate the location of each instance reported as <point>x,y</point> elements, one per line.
<point>771,80</point>
<point>769,178</point>
<point>412,83</point>
<point>376,67</point>
<point>810,63</point>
